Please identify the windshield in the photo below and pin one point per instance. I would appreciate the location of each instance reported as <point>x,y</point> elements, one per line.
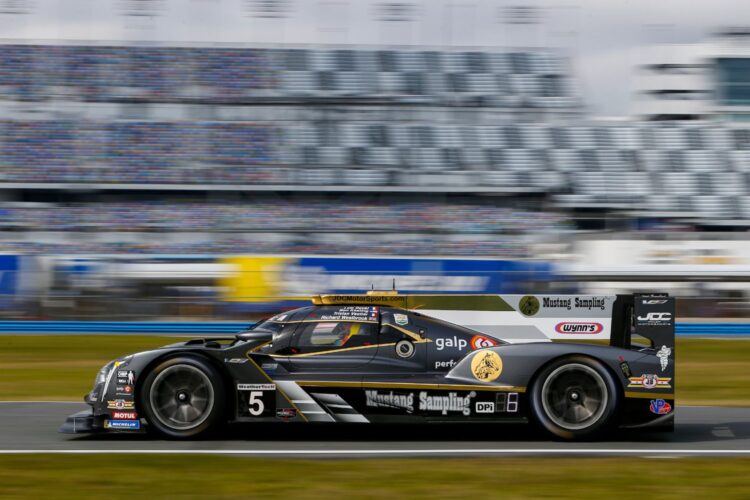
<point>267,325</point>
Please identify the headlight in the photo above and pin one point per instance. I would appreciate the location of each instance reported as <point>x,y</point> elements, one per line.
<point>101,377</point>
<point>104,375</point>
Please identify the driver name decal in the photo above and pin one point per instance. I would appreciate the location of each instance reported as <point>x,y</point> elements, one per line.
<point>352,313</point>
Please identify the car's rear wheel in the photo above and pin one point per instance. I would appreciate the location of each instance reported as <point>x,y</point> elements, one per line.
<point>575,398</point>
<point>183,397</point>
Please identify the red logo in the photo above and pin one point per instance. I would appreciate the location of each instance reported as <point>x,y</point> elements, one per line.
<point>124,415</point>
<point>286,413</point>
<point>660,407</point>
<point>579,327</point>
<point>481,342</point>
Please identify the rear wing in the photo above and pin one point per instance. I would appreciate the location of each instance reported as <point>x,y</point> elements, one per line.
<point>648,316</point>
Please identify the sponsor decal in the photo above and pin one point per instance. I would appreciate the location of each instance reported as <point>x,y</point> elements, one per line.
<point>236,360</point>
<point>656,317</point>
<point>269,367</point>
<point>557,302</point>
<point>445,364</point>
<point>124,415</point>
<point>124,390</point>
<point>481,342</point>
<point>450,402</point>
<point>120,404</point>
<point>650,381</point>
<point>484,407</point>
<point>569,303</point>
<point>391,299</point>
<point>590,303</point>
<point>654,302</point>
<point>401,319</point>
<point>663,355</point>
<point>352,313</point>
<point>122,424</point>
<point>528,305</point>
<point>443,403</point>
<point>127,375</point>
<point>486,366</point>
<point>286,413</point>
<point>450,343</point>
<point>579,327</point>
<point>402,401</point>
<point>625,367</point>
<point>405,349</point>
<point>660,407</point>
<point>256,387</point>
<point>122,381</point>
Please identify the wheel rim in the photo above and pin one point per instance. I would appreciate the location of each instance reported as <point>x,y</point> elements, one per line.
<point>574,396</point>
<point>182,397</point>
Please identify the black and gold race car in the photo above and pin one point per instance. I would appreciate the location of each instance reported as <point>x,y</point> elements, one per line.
<point>386,357</point>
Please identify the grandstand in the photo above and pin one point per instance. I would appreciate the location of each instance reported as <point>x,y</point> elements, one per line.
<point>213,75</point>
<point>444,125</point>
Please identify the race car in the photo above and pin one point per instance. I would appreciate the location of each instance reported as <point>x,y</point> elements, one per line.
<point>389,358</point>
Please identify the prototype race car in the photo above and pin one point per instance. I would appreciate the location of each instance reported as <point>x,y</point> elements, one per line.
<point>384,357</point>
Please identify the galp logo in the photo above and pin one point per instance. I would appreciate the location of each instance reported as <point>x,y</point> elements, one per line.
<point>579,327</point>
<point>656,317</point>
<point>451,343</point>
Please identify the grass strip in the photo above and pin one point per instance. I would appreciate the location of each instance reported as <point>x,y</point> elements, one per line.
<point>132,476</point>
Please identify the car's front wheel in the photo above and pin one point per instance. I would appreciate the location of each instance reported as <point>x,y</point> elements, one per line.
<point>183,397</point>
<point>575,398</point>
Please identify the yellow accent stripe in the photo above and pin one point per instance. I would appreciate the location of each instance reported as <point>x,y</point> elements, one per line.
<point>492,388</point>
<point>333,351</point>
<point>257,347</point>
<point>330,351</point>
<point>407,385</point>
<point>649,395</point>
<point>411,334</point>
<point>278,388</point>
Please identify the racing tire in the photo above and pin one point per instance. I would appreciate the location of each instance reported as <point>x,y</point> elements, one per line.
<point>575,398</point>
<point>183,398</point>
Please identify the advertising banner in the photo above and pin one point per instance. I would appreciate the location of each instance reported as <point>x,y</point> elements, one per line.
<point>255,282</point>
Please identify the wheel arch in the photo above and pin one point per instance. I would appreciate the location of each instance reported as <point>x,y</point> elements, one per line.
<point>535,376</point>
<point>226,379</point>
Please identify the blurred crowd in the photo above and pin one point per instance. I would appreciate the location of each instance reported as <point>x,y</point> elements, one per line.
<point>507,247</point>
<point>338,216</point>
<point>108,72</point>
<point>99,73</point>
<point>191,152</point>
<point>300,227</point>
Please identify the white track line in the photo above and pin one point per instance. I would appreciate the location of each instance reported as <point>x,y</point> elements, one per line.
<point>365,452</point>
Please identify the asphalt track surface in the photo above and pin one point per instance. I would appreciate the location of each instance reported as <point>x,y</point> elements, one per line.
<point>27,427</point>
